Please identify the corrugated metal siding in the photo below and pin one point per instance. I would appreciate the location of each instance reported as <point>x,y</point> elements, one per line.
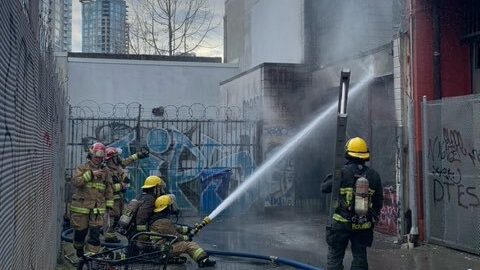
<point>32,119</point>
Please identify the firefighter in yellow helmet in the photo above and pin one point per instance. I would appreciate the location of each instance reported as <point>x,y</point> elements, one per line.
<point>161,223</point>
<point>136,214</point>
<point>120,183</point>
<point>359,204</point>
<point>92,196</point>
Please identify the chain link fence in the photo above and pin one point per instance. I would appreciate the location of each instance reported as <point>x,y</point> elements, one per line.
<point>32,120</point>
<point>451,158</point>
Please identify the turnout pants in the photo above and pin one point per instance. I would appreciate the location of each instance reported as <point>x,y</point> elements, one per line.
<point>190,248</point>
<point>84,224</point>
<point>337,240</point>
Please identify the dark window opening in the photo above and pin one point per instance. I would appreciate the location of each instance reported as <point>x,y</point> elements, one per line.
<point>472,19</point>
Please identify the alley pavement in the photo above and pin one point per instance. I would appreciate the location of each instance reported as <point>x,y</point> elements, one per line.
<point>301,237</point>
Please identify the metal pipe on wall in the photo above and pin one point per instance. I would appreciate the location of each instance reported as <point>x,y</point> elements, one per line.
<point>412,198</point>
<point>426,189</point>
<point>412,201</point>
<point>437,80</point>
<point>397,91</point>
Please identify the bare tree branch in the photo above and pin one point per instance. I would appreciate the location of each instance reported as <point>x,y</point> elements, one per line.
<point>170,26</point>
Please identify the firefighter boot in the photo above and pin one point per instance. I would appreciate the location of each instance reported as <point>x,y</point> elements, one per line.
<point>206,262</point>
<point>78,241</point>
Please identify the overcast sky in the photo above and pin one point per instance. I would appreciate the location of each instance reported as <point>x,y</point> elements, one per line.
<point>215,42</point>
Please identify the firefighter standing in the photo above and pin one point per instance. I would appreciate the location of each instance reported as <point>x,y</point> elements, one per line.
<point>92,197</point>
<point>120,183</point>
<point>161,223</point>
<point>359,204</point>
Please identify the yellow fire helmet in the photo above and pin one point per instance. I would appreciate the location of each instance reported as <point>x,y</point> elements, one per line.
<point>357,148</point>
<point>153,181</point>
<point>161,203</point>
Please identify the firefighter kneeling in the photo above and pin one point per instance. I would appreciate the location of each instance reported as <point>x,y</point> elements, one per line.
<point>160,223</point>
<point>359,204</point>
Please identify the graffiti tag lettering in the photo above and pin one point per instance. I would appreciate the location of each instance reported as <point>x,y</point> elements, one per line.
<point>451,148</point>
<point>448,187</point>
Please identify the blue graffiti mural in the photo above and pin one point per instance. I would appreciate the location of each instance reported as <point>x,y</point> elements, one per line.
<point>208,165</point>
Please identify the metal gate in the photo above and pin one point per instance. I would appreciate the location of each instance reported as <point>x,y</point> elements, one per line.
<point>201,152</point>
<point>451,158</point>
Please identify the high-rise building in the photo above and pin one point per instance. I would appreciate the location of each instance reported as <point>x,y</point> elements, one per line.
<point>56,22</point>
<point>104,26</point>
<point>67,25</point>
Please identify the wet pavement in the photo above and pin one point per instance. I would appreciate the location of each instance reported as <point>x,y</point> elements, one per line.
<point>301,237</point>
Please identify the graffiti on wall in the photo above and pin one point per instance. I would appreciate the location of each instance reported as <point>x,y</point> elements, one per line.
<point>199,170</point>
<point>449,155</point>
<point>387,222</point>
<point>279,187</point>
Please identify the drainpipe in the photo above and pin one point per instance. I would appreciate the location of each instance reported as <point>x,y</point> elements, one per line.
<point>412,198</point>
<point>397,91</point>
<point>437,84</point>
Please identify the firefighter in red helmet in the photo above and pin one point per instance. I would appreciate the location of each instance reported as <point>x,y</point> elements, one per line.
<point>92,196</point>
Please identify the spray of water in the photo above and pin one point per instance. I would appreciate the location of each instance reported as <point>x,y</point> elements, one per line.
<point>255,176</point>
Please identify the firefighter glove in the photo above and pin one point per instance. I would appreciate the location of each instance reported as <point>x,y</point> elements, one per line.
<point>143,153</point>
<point>190,234</point>
<point>98,173</point>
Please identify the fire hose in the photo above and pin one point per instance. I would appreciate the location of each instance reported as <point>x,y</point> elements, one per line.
<point>272,259</point>
<point>67,237</point>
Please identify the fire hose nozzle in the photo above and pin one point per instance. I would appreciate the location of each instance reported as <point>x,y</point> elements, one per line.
<point>198,226</point>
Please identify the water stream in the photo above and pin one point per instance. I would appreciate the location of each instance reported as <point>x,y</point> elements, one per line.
<point>264,167</point>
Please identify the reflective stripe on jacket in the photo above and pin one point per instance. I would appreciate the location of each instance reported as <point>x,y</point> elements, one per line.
<point>91,192</point>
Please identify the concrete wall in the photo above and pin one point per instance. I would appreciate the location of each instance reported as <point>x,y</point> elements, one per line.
<point>277,35</point>
<point>149,82</point>
<point>339,29</point>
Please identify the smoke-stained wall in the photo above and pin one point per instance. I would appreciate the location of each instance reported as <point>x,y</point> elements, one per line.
<point>271,93</point>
